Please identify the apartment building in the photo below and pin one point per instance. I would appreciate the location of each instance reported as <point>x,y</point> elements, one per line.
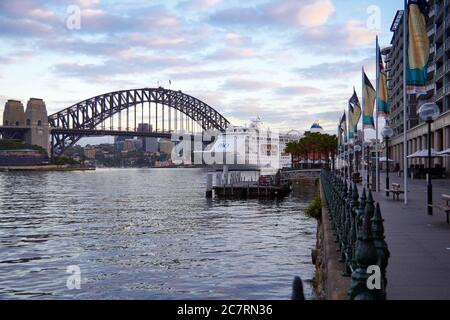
<point>438,90</point>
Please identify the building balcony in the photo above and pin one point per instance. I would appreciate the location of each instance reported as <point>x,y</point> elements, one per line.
<point>439,93</point>
<point>439,52</point>
<point>439,10</point>
<point>432,12</point>
<point>447,89</point>
<point>430,88</point>
<point>439,73</point>
<point>431,30</point>
<point>447,44</point>
<point>440,31</point>
<point>431,68</point>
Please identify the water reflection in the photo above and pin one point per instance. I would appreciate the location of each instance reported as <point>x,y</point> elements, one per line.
<point>147,234</point>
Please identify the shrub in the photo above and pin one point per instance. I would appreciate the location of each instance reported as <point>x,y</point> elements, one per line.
<point>63,161</point>
<point>6,144</point>
<point>315,209</point>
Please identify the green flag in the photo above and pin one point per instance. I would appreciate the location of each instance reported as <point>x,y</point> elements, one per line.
<point>418,48</point>
<point>368,99</point>
<point>384,106</point>
<point>354,114</point>
<point>343,127</point>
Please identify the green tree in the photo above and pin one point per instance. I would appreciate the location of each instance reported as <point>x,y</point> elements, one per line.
<point>320,146</point>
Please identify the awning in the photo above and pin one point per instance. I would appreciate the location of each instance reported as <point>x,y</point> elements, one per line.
<point>445,152</point>
<point>424,154</point>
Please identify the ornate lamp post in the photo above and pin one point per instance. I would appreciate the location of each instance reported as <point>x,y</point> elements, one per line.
<point>429,112</point>
<point>350,163</point>
<point>387,133</point>
<point>346,161</point>
<point>357,150</point>
<point>368,145</point>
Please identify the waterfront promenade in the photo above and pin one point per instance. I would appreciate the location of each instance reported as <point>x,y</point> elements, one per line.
<point>419,266</point>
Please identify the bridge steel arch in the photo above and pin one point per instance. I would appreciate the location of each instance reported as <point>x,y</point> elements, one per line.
<point>68,126</point>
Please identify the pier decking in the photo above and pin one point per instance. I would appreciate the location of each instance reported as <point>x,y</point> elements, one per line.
<point>252,191</point>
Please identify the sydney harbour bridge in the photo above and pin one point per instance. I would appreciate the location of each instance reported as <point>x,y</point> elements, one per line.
<point>122,113</point>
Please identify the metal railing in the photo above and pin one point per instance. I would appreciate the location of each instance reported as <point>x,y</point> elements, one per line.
<point>439,52</point>
<point>440,72</point>
<point>432,12</point>
<point>447,44</point>
<point>359,230</point>
<point>440,30</point>
<point>439,93</point>
<point>431,29</point>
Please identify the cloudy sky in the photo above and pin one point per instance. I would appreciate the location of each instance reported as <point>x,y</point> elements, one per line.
<point>291,62</point>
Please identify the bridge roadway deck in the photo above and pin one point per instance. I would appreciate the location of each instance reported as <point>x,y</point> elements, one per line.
<point>419,266</point>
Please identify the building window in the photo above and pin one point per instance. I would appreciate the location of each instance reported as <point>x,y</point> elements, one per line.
<point>28,122</point>
<point>39,123</point>
<point>17,123</point>
<point>6,123</point>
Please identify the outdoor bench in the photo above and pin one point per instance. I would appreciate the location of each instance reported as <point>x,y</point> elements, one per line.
<point>396,192</point>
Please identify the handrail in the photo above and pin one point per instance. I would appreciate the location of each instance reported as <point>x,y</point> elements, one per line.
<point>359,231</point>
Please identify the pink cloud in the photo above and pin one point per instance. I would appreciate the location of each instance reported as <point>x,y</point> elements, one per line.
<point>313,13</point>
<point>316,13</point>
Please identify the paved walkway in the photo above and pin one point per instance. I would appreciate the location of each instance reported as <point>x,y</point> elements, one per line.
<point>419,266</point>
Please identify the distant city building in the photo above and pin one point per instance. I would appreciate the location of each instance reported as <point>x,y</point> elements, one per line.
<point>144,127</point>
<point>129,145</point>
<point>166,146</point>
<point>138,144</point>
<point>118,139</point>
<point>90,152</point>
<point>285,138</point>
<point>148,144</point>
<point>119,145</point>
<point>151,145</point>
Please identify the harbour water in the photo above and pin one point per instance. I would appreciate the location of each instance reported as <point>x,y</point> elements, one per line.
<point>148,234</point>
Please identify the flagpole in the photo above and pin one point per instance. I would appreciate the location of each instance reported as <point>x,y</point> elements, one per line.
<point>339,160</point>
<point>346,155</point>
<point>377,160</point>
<point>405,101</point>
<point>362,112</point>
<point>351,167</point>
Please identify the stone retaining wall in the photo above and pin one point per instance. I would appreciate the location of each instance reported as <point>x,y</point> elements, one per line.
<point>330,284</point>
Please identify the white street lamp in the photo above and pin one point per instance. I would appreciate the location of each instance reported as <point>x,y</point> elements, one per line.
<point>429,112</point>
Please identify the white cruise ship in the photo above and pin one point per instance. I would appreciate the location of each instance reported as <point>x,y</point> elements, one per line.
<point>250,148</point>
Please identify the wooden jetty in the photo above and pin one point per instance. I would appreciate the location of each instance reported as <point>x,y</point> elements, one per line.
<point>231,185</point>
<point>251,191</point>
